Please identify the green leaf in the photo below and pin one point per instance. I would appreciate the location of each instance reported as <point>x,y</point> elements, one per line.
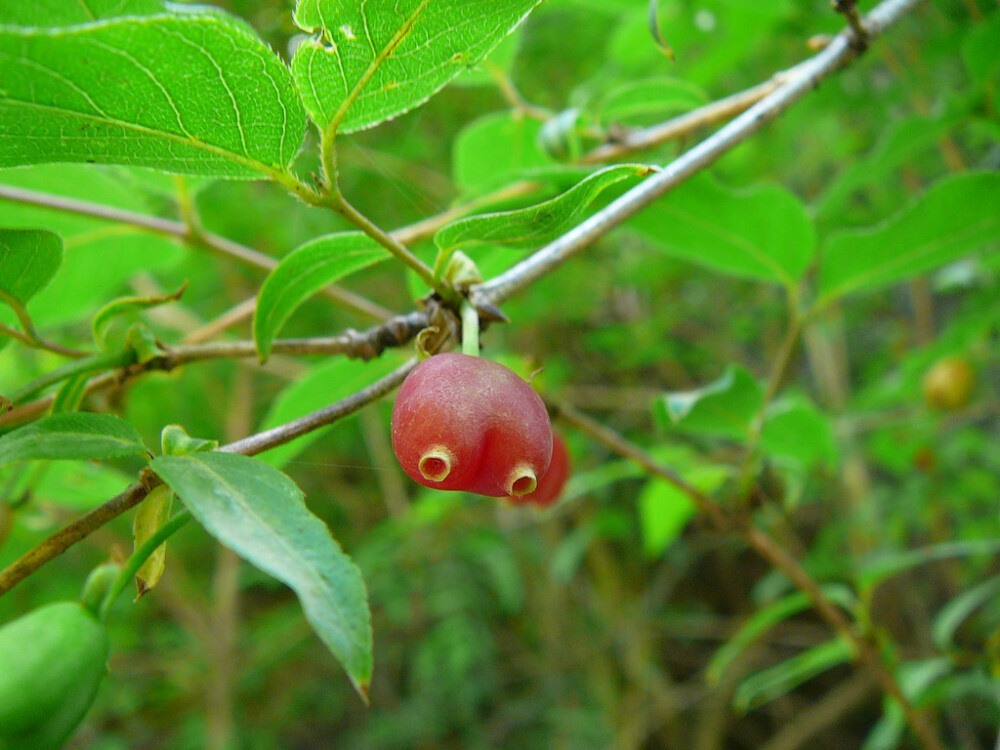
<point>104,254</point>
<point>112,92</point>
<point>70,395</point>
<point>29,258</point>
<point>174,441</point>
<point>723,407</point>
<point>641,102</point>
<point>882,565</point>
<point>374,60</point>
<point>75,485</point>
<point>956,216</point>
<point>260,514</point>
<point>763,232</point>
<point>302,273</point>
<point>664,510</point>
<point>496,149</point>
<point>958,610</point>
<point>979,49</point>
<point>321,386</point>
<point>776,681</point>
<point>74,435</point>
<point>151,514</point>
<point>796,429</point>
<point>765,619</point>
<point>51,13</point>
<point>107,315</point>
<point>900,143</point>
<point>535,225</point>
<point>501,60</point>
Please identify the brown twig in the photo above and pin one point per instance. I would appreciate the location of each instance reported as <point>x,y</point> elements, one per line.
<point>849,10</point>
<point>866,651</point>
<point>214,243</point>
<point>366,345</point>
<point>90,522</point>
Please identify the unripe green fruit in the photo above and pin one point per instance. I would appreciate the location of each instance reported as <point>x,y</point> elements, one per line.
<point>949,383</point>
<point>466,423</point>
<point>52,661</point>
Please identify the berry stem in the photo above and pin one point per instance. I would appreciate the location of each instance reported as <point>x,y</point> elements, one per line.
<point>470,329</point>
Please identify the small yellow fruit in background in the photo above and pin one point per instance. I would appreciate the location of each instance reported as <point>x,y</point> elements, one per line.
<point>949,383</point>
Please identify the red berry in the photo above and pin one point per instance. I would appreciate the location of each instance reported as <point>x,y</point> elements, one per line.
<point>550,486</point>
<point>466,423</point>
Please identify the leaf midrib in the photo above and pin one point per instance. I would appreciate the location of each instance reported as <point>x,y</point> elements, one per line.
<point>384,54</point>
<point>293,552</point>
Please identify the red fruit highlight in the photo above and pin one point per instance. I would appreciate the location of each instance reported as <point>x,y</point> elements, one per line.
<point>466,423</point>
<point>550,486</point>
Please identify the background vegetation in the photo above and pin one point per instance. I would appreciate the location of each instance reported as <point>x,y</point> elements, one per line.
<point>764,332</point>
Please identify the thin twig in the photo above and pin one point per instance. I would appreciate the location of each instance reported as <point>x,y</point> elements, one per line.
<point>79,529</point>
<point>710,114</point>
<point>777,375</point>
<point>849,10</point>
<point>214,243</point>
<point>235,315</point>
<point>365,345</point>
<point>337,202</point>
<point>866,652</point>
<point>801,80</point>
<point>36,342</point>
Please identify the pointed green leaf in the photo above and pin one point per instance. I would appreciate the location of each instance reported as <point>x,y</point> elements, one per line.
<point>958,610</point>
<point>535,225</point>
<point>305,271</point>
<point>765,619</point>
<point>29,258</point>
<point>958,215</point>
<point>882,565</point>
<point>763,232</point>
<point>781,679</point>
<point>260,514</point>
<point>723,407</point>
<point>374,60</point>
<point>73,435</point>
<point>110,92</point>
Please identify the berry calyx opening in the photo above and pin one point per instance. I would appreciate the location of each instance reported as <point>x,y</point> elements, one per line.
<point>521,481</point>
<point>435,464</point>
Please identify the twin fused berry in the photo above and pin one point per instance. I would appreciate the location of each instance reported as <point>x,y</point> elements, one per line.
<point>550,486</point>
<point>465,423</point>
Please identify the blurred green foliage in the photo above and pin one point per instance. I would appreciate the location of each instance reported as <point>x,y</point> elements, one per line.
<point>592,625</point>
